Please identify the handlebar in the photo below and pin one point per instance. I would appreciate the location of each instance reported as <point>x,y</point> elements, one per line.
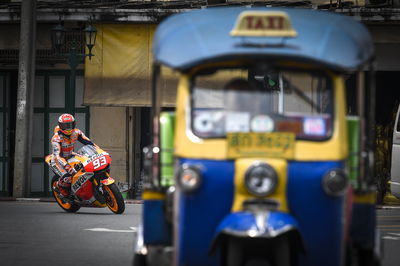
<point>78,166</point>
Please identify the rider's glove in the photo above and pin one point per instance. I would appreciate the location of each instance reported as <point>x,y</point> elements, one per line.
<point>65,181</point>
<point>70,170</point>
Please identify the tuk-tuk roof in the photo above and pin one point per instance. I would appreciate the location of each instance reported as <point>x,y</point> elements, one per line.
<point>188,39</point>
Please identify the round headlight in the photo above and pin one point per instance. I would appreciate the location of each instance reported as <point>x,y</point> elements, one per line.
<point>335,182</point>
<point>189,178</point>
<point>261,180</point>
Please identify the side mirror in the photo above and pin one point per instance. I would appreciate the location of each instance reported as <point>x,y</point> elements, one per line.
<point>271,81</point>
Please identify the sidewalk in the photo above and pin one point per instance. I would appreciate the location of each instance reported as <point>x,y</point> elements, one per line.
<point>390,202</point>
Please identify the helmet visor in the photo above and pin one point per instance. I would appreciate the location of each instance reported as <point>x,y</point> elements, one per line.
<point>67,126</point>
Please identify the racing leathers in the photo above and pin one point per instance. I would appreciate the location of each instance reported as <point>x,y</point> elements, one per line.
<point>63,149</point>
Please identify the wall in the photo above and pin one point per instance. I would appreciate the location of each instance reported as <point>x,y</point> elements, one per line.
<point>387,45</point>
<point>108,130</point>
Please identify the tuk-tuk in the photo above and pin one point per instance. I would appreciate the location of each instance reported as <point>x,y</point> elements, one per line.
<point>260,163</point>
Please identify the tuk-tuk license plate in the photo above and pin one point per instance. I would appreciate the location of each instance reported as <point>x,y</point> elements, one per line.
<point>274,144</point>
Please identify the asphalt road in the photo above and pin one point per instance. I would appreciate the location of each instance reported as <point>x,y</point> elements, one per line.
<point>40,233</point>
<point>388,221</point>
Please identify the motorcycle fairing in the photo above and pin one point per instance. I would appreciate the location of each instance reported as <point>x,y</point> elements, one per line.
<point>79,184</point>
<point>97,162</point>
<point>48,158</point>
<point>107,181</point>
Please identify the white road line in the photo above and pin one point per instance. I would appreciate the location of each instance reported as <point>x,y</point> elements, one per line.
<point>391,238</point>
<point>27,199</point>
<point>132,230</point>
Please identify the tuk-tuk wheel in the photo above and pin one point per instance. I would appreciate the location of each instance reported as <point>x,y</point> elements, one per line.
<point>139,260</point>
<point>366,257</point>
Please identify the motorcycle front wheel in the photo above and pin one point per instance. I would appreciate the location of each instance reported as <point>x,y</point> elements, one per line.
<point>67,206</point>
<point>114,200</point>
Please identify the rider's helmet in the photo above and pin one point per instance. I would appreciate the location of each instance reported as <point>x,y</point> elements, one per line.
<point>66,122</point>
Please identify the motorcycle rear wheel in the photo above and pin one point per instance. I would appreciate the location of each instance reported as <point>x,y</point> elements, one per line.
<point>67,206</point>
<point>114,200</point>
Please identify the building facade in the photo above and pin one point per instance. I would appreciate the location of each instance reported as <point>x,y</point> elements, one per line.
<point>110,92</point>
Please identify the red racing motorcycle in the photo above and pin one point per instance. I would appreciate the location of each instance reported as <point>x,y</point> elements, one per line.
<point>92,185</point>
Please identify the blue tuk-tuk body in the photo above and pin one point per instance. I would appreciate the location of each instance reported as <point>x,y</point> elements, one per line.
<point>186,40</point>
<point>196,226</point>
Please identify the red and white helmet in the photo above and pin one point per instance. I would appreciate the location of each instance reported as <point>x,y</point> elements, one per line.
<point>66,122</point>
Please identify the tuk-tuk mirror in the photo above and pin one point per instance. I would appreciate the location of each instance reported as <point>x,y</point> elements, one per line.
<point>270,78</point>
<point>272,81</point>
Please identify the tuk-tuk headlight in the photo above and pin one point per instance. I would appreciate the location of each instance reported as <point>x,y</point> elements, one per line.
<point>335,182</point>
<point>261,180</point>
<point>189,178</point>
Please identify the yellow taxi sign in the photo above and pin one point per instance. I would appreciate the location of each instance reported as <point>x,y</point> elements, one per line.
<point>263,24</point>
<point>272,144</point>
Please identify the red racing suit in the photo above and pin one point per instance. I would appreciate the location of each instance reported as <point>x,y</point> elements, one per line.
<point>63,149</point>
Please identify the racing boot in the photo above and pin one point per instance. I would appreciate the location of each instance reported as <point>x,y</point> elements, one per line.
<point>64,185</point>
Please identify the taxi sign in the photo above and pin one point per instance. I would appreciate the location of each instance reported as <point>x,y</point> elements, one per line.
<point>263,24</point>
<point>272,144</point>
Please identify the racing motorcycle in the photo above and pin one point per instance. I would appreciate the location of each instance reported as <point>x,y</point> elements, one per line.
<point>92,185</point>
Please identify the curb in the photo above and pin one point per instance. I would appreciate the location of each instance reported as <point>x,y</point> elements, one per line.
<point>127,201</point>
<point>133,201</point>
<point>8,199</point>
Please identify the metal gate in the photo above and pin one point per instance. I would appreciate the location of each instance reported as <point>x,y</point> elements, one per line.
<point>52,98</point>
<point>4,133</point>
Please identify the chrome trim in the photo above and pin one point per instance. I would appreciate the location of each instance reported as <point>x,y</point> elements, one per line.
<point>196,170</point>
<point>261,229</point>
<point>261,217</point>
<point>272,175</point>
<point>260,205</point>
<point>175,228</point>
<point>254,232</point>
<point>140,248</point>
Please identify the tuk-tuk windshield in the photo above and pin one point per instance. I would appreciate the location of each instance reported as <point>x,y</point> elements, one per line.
<point>273,101</point>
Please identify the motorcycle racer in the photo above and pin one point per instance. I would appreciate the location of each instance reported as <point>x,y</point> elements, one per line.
<point>63,142</point>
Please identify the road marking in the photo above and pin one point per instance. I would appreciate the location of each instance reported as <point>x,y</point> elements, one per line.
<point>132,230</point>
<point>391,238</point>
<point>27,199</point>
